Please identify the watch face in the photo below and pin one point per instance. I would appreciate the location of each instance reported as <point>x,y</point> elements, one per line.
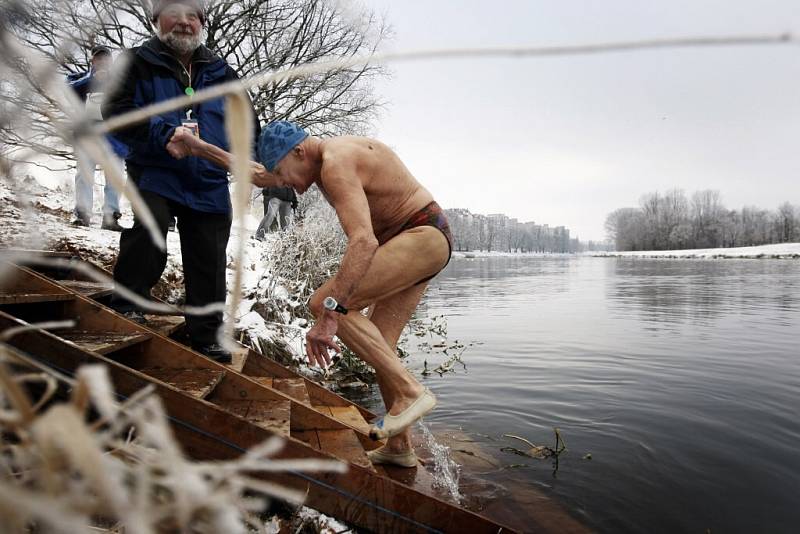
<point>329,303</point>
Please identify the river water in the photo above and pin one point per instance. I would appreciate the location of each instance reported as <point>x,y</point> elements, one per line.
<point>681,378</point>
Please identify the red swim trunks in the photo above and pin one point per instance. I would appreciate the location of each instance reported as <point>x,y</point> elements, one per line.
<point>432,215</point>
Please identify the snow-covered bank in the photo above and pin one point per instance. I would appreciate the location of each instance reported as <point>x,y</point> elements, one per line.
<point>498,254</point>
<point>36,216</point>
<point>779,251</point>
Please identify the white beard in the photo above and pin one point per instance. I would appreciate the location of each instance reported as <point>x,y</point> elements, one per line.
<point>180,43</point>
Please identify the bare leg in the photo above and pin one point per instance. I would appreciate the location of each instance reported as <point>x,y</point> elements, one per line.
<point>392,283</point>
<point>391,316</point>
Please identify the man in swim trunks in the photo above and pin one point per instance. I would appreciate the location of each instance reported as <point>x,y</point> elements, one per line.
<point>398,239</point>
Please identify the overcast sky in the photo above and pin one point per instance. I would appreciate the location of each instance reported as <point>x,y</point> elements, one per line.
<point>566,140</point>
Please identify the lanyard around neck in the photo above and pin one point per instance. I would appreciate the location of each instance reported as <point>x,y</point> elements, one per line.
<point>189,89</point>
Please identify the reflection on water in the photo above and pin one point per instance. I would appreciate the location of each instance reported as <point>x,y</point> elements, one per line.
<point>665,292</point>
<point>681,378</point>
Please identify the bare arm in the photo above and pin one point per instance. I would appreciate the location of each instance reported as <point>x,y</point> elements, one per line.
<point>346,194</point>
<point>184,143</point>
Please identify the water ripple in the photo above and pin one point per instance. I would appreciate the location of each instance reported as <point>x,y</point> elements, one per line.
<point>680,377</point>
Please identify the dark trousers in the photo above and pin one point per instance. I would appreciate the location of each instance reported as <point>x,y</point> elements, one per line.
<point>204,239</point>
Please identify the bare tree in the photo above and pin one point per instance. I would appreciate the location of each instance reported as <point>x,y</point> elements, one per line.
<point>624,226</point>
<point>252,35</point>
<point>707,210</point>
<point>668,222</point>
<point>786,223</point>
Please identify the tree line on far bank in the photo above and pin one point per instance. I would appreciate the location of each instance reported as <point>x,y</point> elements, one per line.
<point>673,221</point>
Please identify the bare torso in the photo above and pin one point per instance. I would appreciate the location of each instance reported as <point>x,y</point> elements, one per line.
<point>393,194</point>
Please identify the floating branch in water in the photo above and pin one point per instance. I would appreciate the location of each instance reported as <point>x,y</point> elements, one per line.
<point>540,452</point>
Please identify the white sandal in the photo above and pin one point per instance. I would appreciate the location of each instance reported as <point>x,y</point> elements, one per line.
<point>403,459</point>
<point>391,425</point>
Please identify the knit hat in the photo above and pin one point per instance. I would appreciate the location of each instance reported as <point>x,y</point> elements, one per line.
<point>277,140</point>
<point>160,5</point>
<point>100,50</point>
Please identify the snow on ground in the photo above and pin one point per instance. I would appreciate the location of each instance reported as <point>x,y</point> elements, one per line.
<point>36,214</point>
<point>497,253</point>
<point>779,251</point>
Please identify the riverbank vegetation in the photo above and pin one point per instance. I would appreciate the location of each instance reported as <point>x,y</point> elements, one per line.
<point>673,221</point>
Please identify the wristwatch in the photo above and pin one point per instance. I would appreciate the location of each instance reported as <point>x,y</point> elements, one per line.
<point>330,304</point>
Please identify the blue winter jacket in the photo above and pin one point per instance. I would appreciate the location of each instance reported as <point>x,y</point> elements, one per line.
<point>154,75</point>
<point>81,82</point>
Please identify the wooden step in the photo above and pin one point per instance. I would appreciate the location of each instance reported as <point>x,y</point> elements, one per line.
<point>263,380</point>
<point>342,444</point>
<point>92,290</point>
<point>198,383</point>
<point>293,387</point>
<point>32,297</point>
<point>238,357</point>
<point>273,415</point>
<point>166,325</point>
<point>101,342</point>
<point>348,415</point>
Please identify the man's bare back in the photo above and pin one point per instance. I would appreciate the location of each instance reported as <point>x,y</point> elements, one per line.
<point>393,194</point>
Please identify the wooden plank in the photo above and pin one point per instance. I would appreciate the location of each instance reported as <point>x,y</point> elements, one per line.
<point>92,290</point>
<point>40,253</point>
<point>324,409</point>
<point>94,317</point>
<point>206,432</point>
<point>307,436</point>
<point>265,381</point>
<point>33,297</point>
<point>236,407</point>
<point>260,365</point>
<point>163,374</point>
<point>344,444</point>
<point>23,281</point>
<point>166,325</point>
<point>101,342</point>
<point>350,416</point>
<point>271,415</point>
<point>197,382</point>
<point>293,387</point>
<point>238,357</point>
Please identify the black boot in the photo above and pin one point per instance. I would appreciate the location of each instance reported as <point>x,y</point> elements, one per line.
<point>215,352</point>
<point>110,222</point>
<point>81,219</point>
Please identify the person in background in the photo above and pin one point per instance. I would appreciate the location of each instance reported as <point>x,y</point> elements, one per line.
<point>174,63</point>
<point>279,206</point>
<point>89,87</point>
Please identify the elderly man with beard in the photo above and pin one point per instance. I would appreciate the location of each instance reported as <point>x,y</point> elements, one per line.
<point>174,63</point>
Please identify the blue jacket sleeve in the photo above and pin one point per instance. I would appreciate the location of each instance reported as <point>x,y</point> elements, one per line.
<point>148,137</point>
<point>80,84</point>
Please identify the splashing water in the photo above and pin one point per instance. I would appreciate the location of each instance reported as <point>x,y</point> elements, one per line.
<point>446,471</point>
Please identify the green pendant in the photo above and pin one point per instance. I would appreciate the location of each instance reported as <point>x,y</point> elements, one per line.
<point>189,91</point>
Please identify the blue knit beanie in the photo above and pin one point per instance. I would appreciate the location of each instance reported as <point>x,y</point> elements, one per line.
<point>277,140</point>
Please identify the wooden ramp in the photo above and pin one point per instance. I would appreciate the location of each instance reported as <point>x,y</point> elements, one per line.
<point>221,411</point>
